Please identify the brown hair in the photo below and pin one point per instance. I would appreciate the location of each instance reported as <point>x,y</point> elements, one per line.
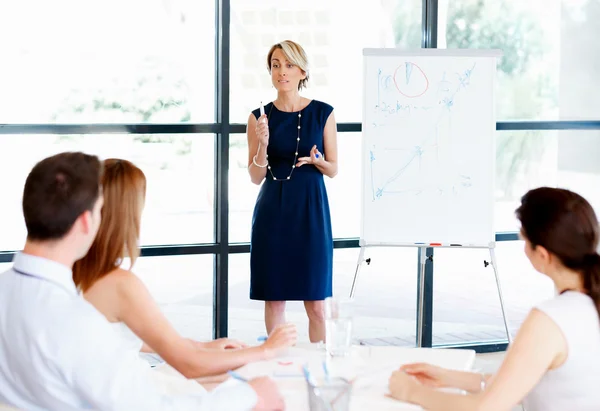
<point>57,191</point>
<point>565,224</point>
<point>124,188</point>
<point>295,54</point>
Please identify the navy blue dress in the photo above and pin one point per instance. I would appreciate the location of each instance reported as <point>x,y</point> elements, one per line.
<point>291,249</point>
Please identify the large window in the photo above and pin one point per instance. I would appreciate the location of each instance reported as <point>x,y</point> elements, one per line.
<point>179,171</point>
<point>183,287</point>
<point>107,61</point>
<point>157,72</point>
<point>328,32</point>
<point>550,60</point>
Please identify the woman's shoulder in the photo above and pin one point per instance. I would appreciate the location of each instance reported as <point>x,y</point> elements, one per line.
<point>321,105</point>
<point>321,109</point>
<point>564,308</point>
<point>119,282</point>
<point>569,298</point>
<point>127,281</point>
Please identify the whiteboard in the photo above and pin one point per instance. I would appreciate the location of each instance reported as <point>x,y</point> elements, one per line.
<point>428,147</point>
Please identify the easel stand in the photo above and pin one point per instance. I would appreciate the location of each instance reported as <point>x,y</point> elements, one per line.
<point>422,263</point>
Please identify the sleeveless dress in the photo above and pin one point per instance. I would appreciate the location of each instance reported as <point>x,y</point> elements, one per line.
<point>166,379</point>
<point>291,248</point>
<point>573,385</point>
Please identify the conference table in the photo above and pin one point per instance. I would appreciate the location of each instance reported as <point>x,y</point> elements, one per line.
<point>370,365</point>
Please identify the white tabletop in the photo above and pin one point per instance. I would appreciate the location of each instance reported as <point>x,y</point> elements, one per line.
<point>371,365</point>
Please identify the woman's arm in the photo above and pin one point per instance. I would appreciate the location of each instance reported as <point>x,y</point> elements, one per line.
<point>257,174</point>
<point>327,164</point>
<point>146,348</point>
<point>139,311</point>
<point>468,381</point>
<point>538,347</point>
<point>438,377</point>
<point>329,167</point>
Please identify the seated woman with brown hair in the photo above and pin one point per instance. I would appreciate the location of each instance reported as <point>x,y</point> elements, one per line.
<point>126,302</point>
<point>554,362</point>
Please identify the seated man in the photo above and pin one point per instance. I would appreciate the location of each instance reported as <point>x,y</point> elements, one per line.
<point>56,351</point>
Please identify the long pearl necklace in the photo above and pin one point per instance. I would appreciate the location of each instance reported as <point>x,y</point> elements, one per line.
<point>295,154</point>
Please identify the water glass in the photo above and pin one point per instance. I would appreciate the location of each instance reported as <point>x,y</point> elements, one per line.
<point>338,326</point>
<point>330,395</point>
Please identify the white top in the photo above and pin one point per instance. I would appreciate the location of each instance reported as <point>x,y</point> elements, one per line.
<point>574,385</point>
<point>58,353</point>
<point>130,341</point>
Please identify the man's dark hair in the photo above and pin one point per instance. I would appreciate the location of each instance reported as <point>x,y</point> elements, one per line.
<point>57,191</point>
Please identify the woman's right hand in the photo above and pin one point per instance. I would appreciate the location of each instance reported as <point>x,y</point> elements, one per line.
<point>262,130</point>
<point>283,336</point>
<point>428,374</point>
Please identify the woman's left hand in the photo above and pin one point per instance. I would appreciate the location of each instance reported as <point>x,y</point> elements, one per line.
<point>315,158</point>
<point>402,386</point>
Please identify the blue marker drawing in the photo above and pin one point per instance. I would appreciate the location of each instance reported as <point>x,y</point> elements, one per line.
<point>372,159</point>
<point>428,165</point>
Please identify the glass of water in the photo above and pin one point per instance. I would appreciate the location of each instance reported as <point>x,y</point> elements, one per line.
<point>330,395</point>
<point>338,326</point>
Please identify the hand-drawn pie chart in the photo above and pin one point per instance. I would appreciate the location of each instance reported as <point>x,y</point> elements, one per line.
<point>410,80</point>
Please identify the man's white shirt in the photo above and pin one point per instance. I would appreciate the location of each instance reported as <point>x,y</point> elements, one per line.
<point>57,352</point>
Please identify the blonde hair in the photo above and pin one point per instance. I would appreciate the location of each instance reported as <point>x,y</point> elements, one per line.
<point>295,54</point>
<point>124,191</point>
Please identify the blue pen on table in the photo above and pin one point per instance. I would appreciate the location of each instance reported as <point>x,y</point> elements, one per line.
<point>326,370</point>
<point>308,377</point>
<point>237,376</point>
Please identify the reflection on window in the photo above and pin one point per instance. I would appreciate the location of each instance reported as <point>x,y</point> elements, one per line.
<point>107,61</point>
<point>179,169</point>
<point>330,37</point>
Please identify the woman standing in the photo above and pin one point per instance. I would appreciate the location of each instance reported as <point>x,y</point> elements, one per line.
<point>291,146</point>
